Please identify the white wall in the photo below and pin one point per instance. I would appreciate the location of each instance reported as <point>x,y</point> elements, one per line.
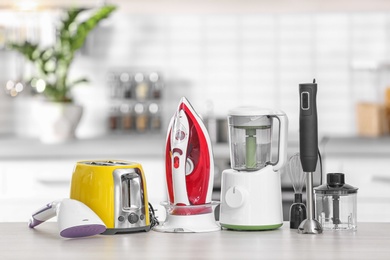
<point>254,59</point>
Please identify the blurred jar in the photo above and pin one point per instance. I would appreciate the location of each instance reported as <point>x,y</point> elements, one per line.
<point>126,85</point>
<point>141,117</point>
<point>141,88</point>
<point>113,84</point>
<point>127,116</point>
<point>155,116</point>
<point>114,117</point>
<point>156,85</point>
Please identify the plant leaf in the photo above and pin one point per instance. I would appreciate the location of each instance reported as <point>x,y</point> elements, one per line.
<point>76,82</point>
<point>70,18</point>
<point>28,49</point>
<point>85,27</point>
<point>53,63</point>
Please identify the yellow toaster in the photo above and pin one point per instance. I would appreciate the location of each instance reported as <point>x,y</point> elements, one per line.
<point>115,191</point>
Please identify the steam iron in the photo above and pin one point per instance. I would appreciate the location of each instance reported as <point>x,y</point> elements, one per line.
<point>189,166</point>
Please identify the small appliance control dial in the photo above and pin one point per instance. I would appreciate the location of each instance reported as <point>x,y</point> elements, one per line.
<point>234,197</point>
<point>180,135</point>
<point>133,218</point>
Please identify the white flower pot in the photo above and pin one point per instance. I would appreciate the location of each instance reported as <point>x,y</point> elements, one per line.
<point>58,121</point>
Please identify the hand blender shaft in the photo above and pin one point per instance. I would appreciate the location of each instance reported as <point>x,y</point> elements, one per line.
<point>308,145</point>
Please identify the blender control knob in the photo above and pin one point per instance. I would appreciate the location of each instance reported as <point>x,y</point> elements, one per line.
<point>234,197</point>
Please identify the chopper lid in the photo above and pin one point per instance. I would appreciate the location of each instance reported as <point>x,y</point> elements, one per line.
<point>335,185</point>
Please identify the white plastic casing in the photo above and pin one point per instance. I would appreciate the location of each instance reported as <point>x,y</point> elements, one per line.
<point>73,213</point>
<point>251,199</point>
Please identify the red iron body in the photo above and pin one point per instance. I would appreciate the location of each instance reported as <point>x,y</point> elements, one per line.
<point>189,160</point>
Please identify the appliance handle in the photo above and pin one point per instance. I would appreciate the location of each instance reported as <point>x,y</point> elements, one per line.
<point>179,145</point>
<point>43,214</point>
<point>282,144</point>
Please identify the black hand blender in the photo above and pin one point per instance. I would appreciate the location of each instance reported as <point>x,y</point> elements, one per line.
<point>308,150</point>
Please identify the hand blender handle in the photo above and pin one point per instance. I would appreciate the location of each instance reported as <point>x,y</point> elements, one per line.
<point>308,128</point>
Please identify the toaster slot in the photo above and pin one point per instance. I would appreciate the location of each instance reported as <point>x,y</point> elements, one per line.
<point>129,199</point>
<point>106,163</point>
<point>131,191</point>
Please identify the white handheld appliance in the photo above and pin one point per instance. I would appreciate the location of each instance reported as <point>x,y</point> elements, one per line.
<point>251,196</point>
<point>75,219</point>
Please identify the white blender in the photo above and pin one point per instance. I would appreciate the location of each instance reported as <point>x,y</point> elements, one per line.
<point>251,196</point>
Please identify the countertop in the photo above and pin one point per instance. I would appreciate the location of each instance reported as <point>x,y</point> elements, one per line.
<point>356,146</point>
<point>119,146</point>
<point>370,241</point>
<point>113,146</point>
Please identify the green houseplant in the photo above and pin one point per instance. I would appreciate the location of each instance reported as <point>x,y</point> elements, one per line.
<point>53,63</point>
<point>58,116</point>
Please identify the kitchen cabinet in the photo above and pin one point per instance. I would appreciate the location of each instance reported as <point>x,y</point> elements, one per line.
<point>28,185</point>
<point>366,165</point>
<point>33,174</point>
<point>372,179</point>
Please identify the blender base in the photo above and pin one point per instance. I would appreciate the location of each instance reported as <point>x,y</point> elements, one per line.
<point>196,223</point>
<point>310,226</point>
<point>251,200</point>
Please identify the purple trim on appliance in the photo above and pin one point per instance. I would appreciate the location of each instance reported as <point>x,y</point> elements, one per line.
<point>48,206</point>
<point>83,231</point>
<point>34,222</point>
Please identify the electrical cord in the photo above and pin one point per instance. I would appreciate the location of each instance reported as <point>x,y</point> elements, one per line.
<point>320,159</point>
<point>152,216</point>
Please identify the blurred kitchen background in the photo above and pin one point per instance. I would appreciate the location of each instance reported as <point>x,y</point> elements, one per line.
<point>219,54</point>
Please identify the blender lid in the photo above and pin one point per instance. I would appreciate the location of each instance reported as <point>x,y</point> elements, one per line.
<point>335,185</point>
<point>254,111</point>
<point>252,117</point>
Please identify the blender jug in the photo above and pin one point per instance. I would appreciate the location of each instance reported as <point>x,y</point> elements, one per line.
<point>250,139</point>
